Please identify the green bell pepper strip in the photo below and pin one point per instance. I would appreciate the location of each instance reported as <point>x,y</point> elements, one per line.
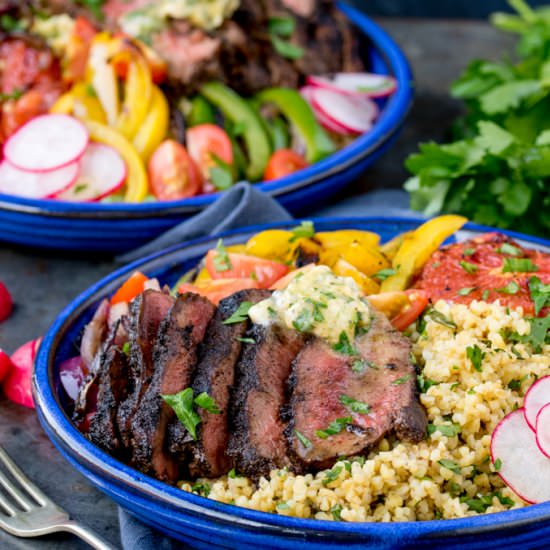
<point>299,113</point>
<point>238,111</point>
<point>201,112</point>
<point>279,134</point>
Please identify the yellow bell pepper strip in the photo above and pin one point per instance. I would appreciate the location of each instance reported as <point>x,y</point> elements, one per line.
<point>344,237</point>
<point>389,303</point>
<point>102,76</point>
<point>366,284</point>
<point>273,244</point>
<point>64,104</point>
<point>390,248</point>
<point>137,183</point>
<point>417,249</point>
<point>366,260</point>
<point>154,127</point>
<point>238,111</point>
<point>138,90</point>
<point>81,102</point>
<point>299,113</point>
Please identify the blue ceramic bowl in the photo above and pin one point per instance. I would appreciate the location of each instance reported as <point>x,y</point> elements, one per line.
<point>204,523</point>
<point>121,227</point>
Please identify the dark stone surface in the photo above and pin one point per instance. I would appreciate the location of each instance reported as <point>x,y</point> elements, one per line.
<point>42,284</point>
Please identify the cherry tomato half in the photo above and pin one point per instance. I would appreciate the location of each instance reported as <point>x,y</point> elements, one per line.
<point>217,290</point>
<point>206,142</point>
<point>172,173</point>
<point>282,163</point>
<point>265,272</point>
<point>418,300</point>
<point>130,289</point>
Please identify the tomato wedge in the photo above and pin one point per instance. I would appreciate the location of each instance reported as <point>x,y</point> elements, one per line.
<point>284,162</point>
<point>130,289</point>
<point>219,289</point>
<point>206,143</point>
<point>172,173</point>
<point>239,266</point>
<point>418,300</point>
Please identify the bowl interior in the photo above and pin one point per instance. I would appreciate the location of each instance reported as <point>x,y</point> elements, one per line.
<point>61,343</point>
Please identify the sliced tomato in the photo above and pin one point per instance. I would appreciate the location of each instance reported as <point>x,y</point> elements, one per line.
<point>130,289</point>
<point>78,49</point>
<point>219,289</point>
<point>283,282</point>
<point>172,173</point>
<point>284,162</point>
<point>418,300</point>
<point>206,143</point>
<point>265,272</point>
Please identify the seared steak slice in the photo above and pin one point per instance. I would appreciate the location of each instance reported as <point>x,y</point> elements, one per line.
<point>112,380</point>
<point>146,313</point>
<point>257,442</point>
<point>215,375</point>
<point>326,385</point>
<point>175,359</point>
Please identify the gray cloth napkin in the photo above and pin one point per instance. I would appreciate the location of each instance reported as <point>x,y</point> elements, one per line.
<point>244,205</point>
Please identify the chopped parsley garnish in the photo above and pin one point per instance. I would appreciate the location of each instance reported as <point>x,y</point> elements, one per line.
<point>510,249</point>
<point>518,265</point>
<point>359,365</point>
<point>485,295</point>
<point>383,274</point>
<point>448,430</point>
<point>475,355</point>
<point>15,95</point>
<point>334,427</point>
<point>469,267</point>
<point>232,474</point>
<point>222,261</point>
<point>511,288</point>
<point>240,314</point>
<point>336,512</point>
<point>202,489</point>
<point>302,439</point>
<point>126,348</point>
<point>282,506</point>
<point>514,385</point>
<point>438,317</point>
<point>303,321</point>
<point>204,401</point>
<point>482,503</point>
<point>344,346</point>
<point>450,465</point>
<point>468,251</point>
<point>424,384</point>
<point>466,290</point>
<point>497,464</point>
<point>246,340</point>
<point>537,336</point>
<point>305,230</point>
<point>93,5</point>
<point>354,405</point>
<point>401,380</point>
<point>332,475</point>
<point>540,294</point>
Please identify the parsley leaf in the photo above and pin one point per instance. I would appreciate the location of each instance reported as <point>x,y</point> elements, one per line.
<point>222,262</point>
<point>182,403</point>
<point>518,265</point>
<point>469,267</point>
<point>302,439</point>
<point>354,405</point>
<point>344,346</point>
<point>401,380</point>
<point>240,314</point>
<point>476,356</point>
<point>383,274</point>
<point>449,430</point>
<point>438,317</point>
<point>305,230</point>
<point>466,290</point>
<point>511,288</point>
<point>450,465</point>
<point>540,294</point>
<point>510,249</point>
<point>334,427</point>
<point>246,340</point>
<point>204,401</point>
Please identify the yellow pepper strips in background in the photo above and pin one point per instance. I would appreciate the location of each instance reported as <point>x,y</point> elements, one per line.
<point>138,90</point>
<point>417,249</point>
<point>154,127</point>
<point>273,244</point>
<point>137,184</point>
<point>390,248</point>
<point>389,303</point>
<point>81,102</point>
<point>344,237</point>
<point>367,260</point>
<point>366,284</point>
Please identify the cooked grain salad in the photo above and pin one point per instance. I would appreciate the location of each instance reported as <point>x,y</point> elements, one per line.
<point>471,377</point>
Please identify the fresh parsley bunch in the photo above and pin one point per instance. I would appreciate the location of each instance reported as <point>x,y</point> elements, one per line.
<point>498,172</point>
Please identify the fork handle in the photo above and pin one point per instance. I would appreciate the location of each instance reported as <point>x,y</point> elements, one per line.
<point>87,535</point>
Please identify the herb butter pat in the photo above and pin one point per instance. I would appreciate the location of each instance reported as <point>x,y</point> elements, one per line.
<point>317,302</point>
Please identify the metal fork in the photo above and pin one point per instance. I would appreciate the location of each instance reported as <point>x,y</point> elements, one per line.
<point>28,512</point>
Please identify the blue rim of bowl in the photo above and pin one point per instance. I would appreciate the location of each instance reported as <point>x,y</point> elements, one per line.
<point>52,413</point>
<point>391,119</point>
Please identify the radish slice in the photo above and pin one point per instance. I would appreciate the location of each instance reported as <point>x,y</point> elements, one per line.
<point>355,114</point>
<point>523,467</point>
<point>359,84</point>
<point>72,374</point>
<point>5,365</point>
<point>36,185</point>
<point>543,430</point>
<point>536,397</point>
<point>6,303</point>
<point>17,385</point>
<point>102,173</point>
<point>326,122</point>
<point>46,143</point>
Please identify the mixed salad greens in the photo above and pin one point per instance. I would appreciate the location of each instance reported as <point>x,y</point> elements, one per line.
<point>497,171</point>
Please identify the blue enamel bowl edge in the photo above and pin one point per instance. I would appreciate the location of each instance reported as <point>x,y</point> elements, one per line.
<point>81,226</point>
<point>203,522</point>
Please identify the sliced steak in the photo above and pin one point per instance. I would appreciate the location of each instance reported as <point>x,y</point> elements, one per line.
<point>257,442</point>
<point>147,311</point>
<point>112,390</point>
<point>215,375</point>
<point>175,359</point>
<point>323,383</point>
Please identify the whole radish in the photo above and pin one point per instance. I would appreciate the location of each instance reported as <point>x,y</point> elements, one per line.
<point>6,303</point>
<point>17,385</point>
<point>5,364</point>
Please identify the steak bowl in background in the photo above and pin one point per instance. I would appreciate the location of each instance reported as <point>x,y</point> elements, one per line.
<point>115,228</point>
<point>205,523</point>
